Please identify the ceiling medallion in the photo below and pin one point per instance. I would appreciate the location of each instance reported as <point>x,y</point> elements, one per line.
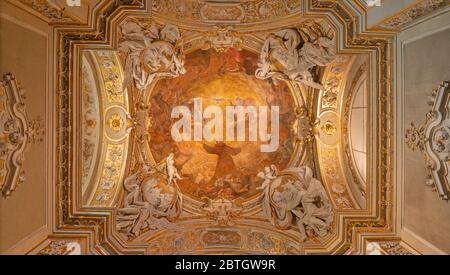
<point>328,128</point>
<point>59,247</point>
<point>432,138</point>
<point>116,123</point>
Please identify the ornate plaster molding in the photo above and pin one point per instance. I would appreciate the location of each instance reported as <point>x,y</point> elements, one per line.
<point>61,247</point>
<point>222,39</point>
<point>53,14</point>
<point>393,248</point>
<point>150,51</point>
<point>16,132</point>
<point>409,15</point>
<point>432,138</point>
<point>227,12</point>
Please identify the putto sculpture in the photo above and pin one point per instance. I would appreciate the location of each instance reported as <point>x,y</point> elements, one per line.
<point>291,54</point>
<point>293,197</point>
<point>150,52</point>
<point>153,199</point>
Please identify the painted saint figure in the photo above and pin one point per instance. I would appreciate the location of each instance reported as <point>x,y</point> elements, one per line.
<point>226,173</point>
<point>225,164</point>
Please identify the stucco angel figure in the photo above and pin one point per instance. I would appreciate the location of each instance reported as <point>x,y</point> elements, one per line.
<point>152,201</point>
<point>171,170</point>
<point>290,54</point>
<point>269,174</point>
<point>149,53</point>
<point>293,197</point>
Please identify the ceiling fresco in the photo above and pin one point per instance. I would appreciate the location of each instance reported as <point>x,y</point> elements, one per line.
<point>220,79</point>
<point>288,72</point>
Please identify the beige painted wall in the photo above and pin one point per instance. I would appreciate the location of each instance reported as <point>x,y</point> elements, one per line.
<point>24,53</point>
<point>426,65</point>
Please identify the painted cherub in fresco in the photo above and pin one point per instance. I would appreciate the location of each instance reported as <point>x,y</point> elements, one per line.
<point>172,171</point>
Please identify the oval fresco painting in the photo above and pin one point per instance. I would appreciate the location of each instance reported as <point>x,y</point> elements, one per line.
<point>214,169</point>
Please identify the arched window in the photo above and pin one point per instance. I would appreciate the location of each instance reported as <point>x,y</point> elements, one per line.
<point>358,129</point>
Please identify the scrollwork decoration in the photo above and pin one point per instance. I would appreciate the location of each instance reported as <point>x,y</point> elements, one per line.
<point>432,138</point>
<point>16,133</point>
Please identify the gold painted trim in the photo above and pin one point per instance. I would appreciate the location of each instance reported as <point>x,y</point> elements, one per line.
<point>411,14</point>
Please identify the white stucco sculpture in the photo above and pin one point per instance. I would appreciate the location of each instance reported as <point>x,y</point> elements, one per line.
<point>293,197</point>
<point>152,201</point>
<point>290,54</point>
<point>149,53</point>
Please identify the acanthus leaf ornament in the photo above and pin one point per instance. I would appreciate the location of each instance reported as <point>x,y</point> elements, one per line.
<point>415,137</point>
<point>222,210</point>
<point>305,126</point>
<point>432,138</point>
<point>52,14</point>
<point>394,248</point>
<point>333,81</point>
<point>61,247</point>
<point>140,122</point>
<point>328,128</point>
<point>223,38</point>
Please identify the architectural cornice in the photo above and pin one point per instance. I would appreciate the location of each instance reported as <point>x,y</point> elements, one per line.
<point>411,14</point>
